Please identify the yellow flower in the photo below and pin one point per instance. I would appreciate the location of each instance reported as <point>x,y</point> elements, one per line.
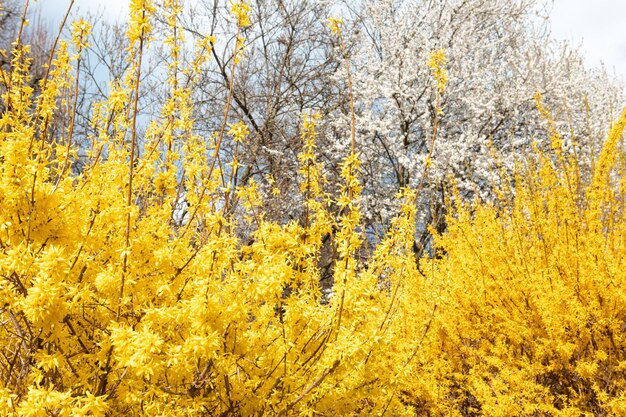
<point>436,63</point>
<point>81,29</point>
<point>241,10</point>
<point>239,131</point>
<point>240,47</point>
<point>335,23</point>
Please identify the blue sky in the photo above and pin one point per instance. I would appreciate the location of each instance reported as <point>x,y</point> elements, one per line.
<point>597,26</point>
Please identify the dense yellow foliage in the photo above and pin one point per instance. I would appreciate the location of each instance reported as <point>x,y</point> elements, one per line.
<point>531,307</point>
<point>110,306</point>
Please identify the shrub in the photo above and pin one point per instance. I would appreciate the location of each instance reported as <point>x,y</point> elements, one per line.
<point>138,278</point>
<point>531,310</point>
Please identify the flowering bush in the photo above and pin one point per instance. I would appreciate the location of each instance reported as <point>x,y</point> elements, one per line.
<point>531,315</point>
<point>113,302</point>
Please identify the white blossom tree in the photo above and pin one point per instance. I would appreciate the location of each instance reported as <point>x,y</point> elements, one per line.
<point>499,55</point>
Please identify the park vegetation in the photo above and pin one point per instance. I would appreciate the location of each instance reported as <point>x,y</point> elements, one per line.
<point>416,243</point>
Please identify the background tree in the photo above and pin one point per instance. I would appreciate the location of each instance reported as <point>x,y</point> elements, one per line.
<point>498,54</point>
<point>284,72</point>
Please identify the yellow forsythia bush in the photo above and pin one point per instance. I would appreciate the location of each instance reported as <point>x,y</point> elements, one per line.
<point>530,294</point>
<point>114,303</point>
